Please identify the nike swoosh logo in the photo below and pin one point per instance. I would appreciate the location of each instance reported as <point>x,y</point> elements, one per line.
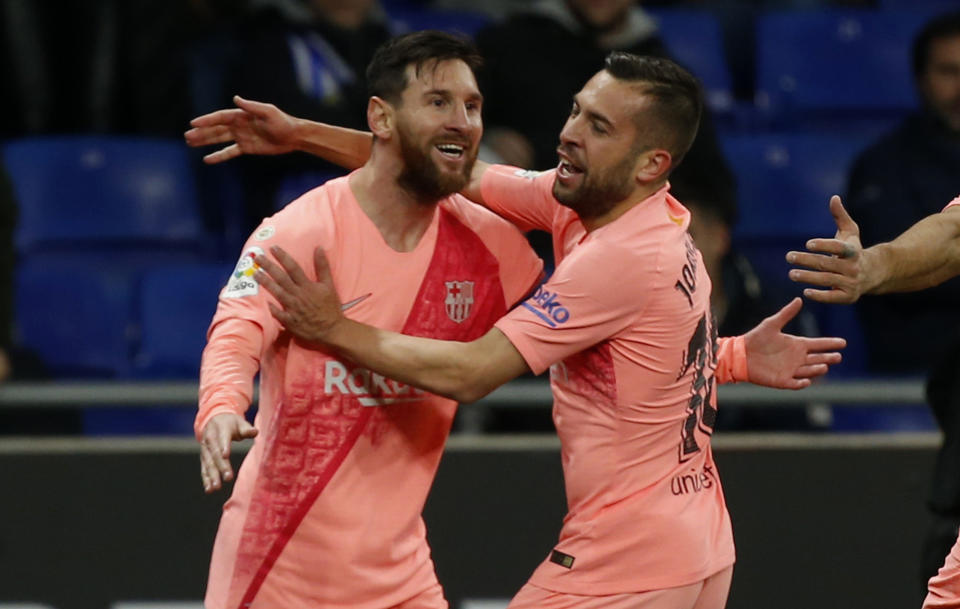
<point>355,301</point>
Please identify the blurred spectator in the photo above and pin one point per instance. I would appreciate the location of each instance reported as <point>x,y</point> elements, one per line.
<point>537,60</point>
<point>907,175</point>
<point>308,57</point>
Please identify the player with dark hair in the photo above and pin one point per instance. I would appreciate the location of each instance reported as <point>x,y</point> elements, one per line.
<point>625,328</point>
<point>326,509</point>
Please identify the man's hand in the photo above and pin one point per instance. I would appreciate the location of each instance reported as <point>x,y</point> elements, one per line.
<point>253,128</point>
<point>785,361</point>
<point>310,308</point>
<point>218,433</point>
<point>838,264</point>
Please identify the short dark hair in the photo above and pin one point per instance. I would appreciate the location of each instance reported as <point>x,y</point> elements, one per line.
<point>676,95</point>
<point>944,26</point>
<point>387,72</point>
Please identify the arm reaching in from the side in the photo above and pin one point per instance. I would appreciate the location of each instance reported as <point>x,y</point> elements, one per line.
<point>259,128</point>
<point>925,255</point>
<point>311,311</point>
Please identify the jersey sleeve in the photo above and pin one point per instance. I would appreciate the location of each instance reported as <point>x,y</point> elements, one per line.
<point>952,204</point>
<point>523,197</point>
<point>731,360</point>
<point>520,268</point>
<point>243,327</point>
<point>229,364</point>
<point>585,302</point>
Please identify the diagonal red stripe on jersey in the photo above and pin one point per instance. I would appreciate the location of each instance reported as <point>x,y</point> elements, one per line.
<point>299,461</point>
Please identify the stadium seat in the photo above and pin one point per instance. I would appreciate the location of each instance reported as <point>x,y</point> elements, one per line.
<point>82,193</point>
<point>76,317</point>
<point>840,64</point>
<point>785,181</point>
<point>176,304</point>
<point>784,184</point>
<point>695,41</point>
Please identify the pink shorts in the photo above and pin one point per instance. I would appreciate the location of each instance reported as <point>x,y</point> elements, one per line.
<point>943,589</point>
<point>710,593</point>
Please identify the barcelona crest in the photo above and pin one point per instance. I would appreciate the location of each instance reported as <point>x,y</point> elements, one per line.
<point>459,299</point>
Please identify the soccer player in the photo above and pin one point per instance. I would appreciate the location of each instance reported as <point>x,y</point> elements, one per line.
<point>925,255</point>
<point>624,327</point>
<point>326,509</point>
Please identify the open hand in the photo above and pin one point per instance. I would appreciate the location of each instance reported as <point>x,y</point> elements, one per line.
<point>785,361</point>
<point>252,128</point>
<point>310,308</point>
<point>218,433</point>
<point>837,264</point>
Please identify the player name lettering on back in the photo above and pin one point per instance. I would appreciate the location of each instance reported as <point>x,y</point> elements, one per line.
<point>371,389</point>
<point>687,284</point>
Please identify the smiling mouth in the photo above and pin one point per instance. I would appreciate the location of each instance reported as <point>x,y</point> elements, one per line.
<point>568,170</point>
<point>451,151</point>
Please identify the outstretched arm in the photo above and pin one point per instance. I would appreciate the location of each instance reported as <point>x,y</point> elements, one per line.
<point>311,311</point>
<point>767,356</point>
<point>258,128</point>
<point>925,255</point>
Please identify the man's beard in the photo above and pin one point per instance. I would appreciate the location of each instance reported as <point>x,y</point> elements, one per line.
<point>598,192</point>
<point>421,176</point>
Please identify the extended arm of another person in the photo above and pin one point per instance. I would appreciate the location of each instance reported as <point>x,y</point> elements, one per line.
<point>311,310</point>
<point>766,356</point>
<point>260,128</point>
<point>230,362</point>
<point>925,255</point>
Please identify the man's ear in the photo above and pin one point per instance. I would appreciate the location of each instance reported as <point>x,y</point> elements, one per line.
<point>653,165</point>
<point>380,117</point>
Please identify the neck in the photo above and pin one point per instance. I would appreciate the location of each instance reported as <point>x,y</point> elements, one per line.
<point>641,194</point>
<point>401,218</point>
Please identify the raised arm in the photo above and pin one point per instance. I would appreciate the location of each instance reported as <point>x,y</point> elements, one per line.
<point>925,255</point>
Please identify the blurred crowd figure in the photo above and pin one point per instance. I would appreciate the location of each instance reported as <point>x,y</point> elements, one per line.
<point>906,175</point>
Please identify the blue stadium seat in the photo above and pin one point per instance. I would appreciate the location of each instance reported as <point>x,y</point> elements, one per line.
<point>76,317</point>
<point>176,305</point>
<point>409,19</point>
<point>104,192</point>
<point>784,184</point>
<point>841,64</point>
<point>785,181</point>
<point>695,40</point>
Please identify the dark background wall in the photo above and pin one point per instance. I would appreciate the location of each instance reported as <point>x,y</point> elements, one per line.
<point>814,528</point>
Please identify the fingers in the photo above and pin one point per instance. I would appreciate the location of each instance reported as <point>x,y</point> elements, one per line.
<point>823,344</point>
<point>828,296</point>
<point>845,223</point>
<point>225,154</point>
<point>321,266</point>
<point>256,108</point>
<point>209,474</point>
<point>290,265</point>
<point>784,315</point>
<point>829,358</point>
<point>831,247</point>
<point>220,117</point>
<point>810,371</point>
<point>274,277</point>
<point>824,279</point>
<point>205,136</point>
<point>247,431</point>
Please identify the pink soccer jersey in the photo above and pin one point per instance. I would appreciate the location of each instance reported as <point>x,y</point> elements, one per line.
<point>624,326</point>
<point>325,511</point>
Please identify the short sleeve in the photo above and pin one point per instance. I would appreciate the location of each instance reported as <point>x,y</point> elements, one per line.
<point>586,301</point>
<point>523,197</point>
